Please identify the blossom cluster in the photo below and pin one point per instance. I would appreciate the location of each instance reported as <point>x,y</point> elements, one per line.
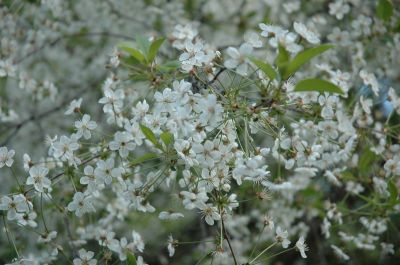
<point>223,132</point>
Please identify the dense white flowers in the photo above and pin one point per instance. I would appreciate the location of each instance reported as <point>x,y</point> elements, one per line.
<point>217,132</point>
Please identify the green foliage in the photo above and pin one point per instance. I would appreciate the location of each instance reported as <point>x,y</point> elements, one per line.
<point>394,193</point>
<point>131,259</point>
<point>146,51</point>
<point>167,138</point>
<point>315,84</point>
<point>384,9</point>
<point>135,53</point>
<point>148,133</point>
<point>366,161</point>
<point>304,57</point>
<point>143,158</point>
<point>282,59</point>
<point>266,68</point>
<point>154,47</point>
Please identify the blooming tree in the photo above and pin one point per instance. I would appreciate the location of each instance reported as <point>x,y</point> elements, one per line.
<point>200,132</point>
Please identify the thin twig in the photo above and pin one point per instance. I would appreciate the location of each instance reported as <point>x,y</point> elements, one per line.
<point>227,239</point>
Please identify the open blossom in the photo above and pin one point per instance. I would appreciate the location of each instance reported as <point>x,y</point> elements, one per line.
<point>193,55</point>
<point>302,247</point>
<point>307,34</point>
<point>123,143</point>
<point>13,205</point>
<point>74,106</point>
<point>171,245</point>
<point>369,79</point>
<point>112,100</point>
<point>85,258</point>
<point>81,204</point>
<point>7,68</point>
<point>105,171</point>
<point>339,8</point>
<point>47,237</point>
<point>85,126</point>
<point>282,237</point>
<point>138,241</point>
<point>6,157</point>
<point>65,147</point>
<point>238,58</point>
<point>38,178</point>
<point>210,213</point>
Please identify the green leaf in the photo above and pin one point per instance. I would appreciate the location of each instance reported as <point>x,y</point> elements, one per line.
<point>143,158</point>
<point>143,44</point>
<point>131,259</point>
<point>154,47</point>
<point>128,47</point>
<point>282,59</point>
<point>384,9</point>
<point>150,136</point>
<point>366,161</point>
<point>169,66</point>
<point>265,67</point>
<point>319,85</point>
<point>167,138</point>
<point>304,57</point>
<point>393,192</point>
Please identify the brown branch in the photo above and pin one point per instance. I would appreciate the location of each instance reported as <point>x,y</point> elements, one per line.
<point>227,239</point>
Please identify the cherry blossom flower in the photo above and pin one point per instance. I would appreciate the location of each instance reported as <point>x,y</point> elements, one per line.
<point>38,178</point>
<point>281,237</point>
<point>81,204</point>
<point>85,258</point>
<point>85,126</point>
<point>6,157</point>
<point>238,58</point>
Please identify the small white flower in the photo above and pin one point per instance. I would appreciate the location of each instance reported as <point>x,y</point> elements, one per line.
<point>112,100</point>
<point>302,247</point>
<point>105,171</point>
<point>47,237</point>
<point>253,39</point>
<point>15,204</point>
<point>340,253</point>
<point>27,162</point>
<point>238,58</point>
<point>171,245</point>
<point>6,157</point>
<point>74,106</point>
<point>138,241</point>
<point>38,178</point>
<point>307,34</point>
<point>209,213</point>
<point>123,143</point>
<point>281,237</point>
<point>339,8</point>
<point>81,204</point>
<point>369,79</point>
<point>85,258</point>
<point>7,68</point>
<point>85,126</point>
